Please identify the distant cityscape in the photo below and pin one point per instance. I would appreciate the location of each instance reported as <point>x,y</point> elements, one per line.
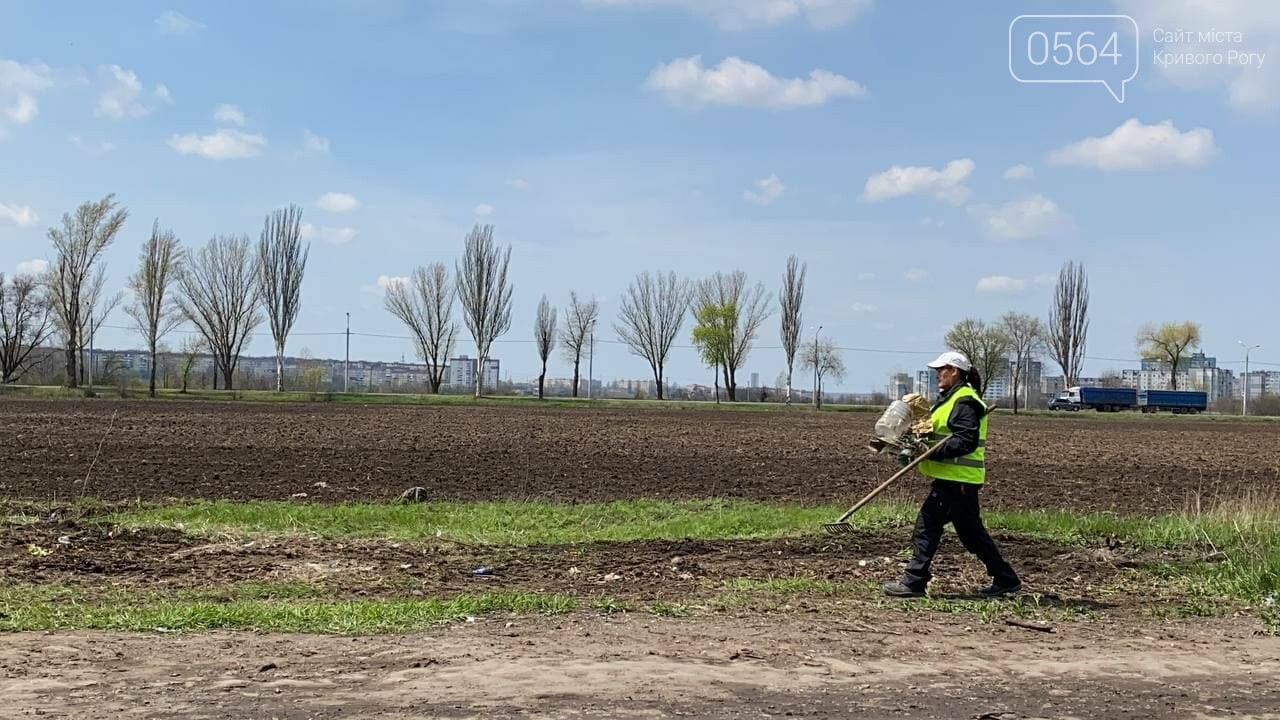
<point>1197,372</point>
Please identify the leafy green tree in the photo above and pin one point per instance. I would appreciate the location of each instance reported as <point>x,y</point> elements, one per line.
<point>713,336</point>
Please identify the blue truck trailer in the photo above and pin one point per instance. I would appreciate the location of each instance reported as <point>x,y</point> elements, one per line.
<point>1178,401</point>
<point>1102,399</point>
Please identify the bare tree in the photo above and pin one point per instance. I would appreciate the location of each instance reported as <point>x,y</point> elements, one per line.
<point>78,247</point>
<point>791,298</point>
<point>282,261</point>
<point>425,306</point>
<point>485,293</point>
<point>650,318</point>
<point>824,359</point>
<point>1166,344</point>
<point>153,309</point>
<point>1026,336</point>
<point>1069,320</point>
<point>192,348</point>
<point>96,308</point>
<point>985,346</point>
<point>544,331</point>
<point>220,297</point>
<point>749,307</point>
<point>580,323</point>
<point>25,325</point>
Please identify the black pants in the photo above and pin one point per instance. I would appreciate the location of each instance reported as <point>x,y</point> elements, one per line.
<point>955,503</point>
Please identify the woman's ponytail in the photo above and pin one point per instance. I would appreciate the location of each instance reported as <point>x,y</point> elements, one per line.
<point>974,379</point>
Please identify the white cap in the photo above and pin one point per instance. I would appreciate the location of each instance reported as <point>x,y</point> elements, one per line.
<point>954,359</point>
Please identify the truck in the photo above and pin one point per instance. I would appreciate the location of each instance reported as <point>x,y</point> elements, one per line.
<point>1177,401</point>
<point>1102,399</point>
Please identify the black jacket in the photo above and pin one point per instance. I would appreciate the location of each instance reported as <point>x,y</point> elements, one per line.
<point>965,417</point>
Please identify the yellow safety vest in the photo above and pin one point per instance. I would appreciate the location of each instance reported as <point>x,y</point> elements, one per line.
<point>969,468</point>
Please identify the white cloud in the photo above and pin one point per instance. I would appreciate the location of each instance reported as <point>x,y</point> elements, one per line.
<point>863,308</point>
<point>336,202</point>
<point>931,221</point>
<point>947,184</point>
<point>19,87</point>
<point>915,275</point>
<point>221,144</point>
<point>331,235</point>
<point>1001,283</point>
<point>1035,216</point>
<point>32,267</point>
<point>101,149</point>
<point>483,210</point>
<point>1021,171</point>
<point>227,114</point>
<point>314,143</point>
<point>866,276</point>
<point>685,82</point>
<point>1247,88</point>
<point>1134,146</point>
<point>1045,279</point>
<point>883,325</point>
<point>517,183</point>
<point>743,14</point>
<point>379,286</point>
<point>122,96</point>
<point>767,191</point>
<point>20,215</point>
<point>172,22</point>
<point>162,94</point>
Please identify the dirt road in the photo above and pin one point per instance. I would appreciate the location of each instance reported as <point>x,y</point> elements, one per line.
<point>639,666</point>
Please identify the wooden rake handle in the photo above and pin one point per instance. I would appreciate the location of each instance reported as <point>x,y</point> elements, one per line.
<point>910,466</point>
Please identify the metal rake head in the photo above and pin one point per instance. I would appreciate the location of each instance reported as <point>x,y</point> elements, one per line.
<point>841,529</point>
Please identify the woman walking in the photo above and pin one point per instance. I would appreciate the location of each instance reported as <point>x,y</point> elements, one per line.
<point>958,469</point>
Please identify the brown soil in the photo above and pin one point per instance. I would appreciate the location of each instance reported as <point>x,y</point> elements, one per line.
<point>96,558</point>
<point>157,450</point>
<point>638,666</point>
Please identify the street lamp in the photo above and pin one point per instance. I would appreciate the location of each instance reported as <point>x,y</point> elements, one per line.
<point>1245,393</point>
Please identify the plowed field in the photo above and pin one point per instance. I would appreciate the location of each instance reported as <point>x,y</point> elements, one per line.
<point>158,450</point>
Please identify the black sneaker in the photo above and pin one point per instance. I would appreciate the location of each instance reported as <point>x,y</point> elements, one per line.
<point>901,589</point>
<point>995,590</point>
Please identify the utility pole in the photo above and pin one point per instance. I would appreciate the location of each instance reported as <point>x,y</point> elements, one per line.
<point>346,364</point>
<point>90,368</point>
<point>591,364</point>
<point>1245,393</point>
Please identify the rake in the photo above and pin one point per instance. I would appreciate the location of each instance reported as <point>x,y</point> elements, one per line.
<point>842,527</point>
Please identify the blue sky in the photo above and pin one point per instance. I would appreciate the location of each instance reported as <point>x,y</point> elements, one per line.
<point>878,141</point>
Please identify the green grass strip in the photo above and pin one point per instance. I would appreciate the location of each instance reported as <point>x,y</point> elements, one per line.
<point>511,523</point>
<point>31,608</point>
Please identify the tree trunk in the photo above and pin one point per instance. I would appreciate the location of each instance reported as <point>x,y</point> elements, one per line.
<point>279,370</point>
<point>716,381</point>
<point>576,360</point>
<point>658,377</point>
<point>541,378</point>
<point>788,386</point>
<point>479,377</point>
<point>151,388</point>
<point>71,364</point>
<point>1017,373</point>
<point>728,382</point>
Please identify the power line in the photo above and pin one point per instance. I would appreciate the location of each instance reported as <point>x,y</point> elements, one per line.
<point>522,341</point>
